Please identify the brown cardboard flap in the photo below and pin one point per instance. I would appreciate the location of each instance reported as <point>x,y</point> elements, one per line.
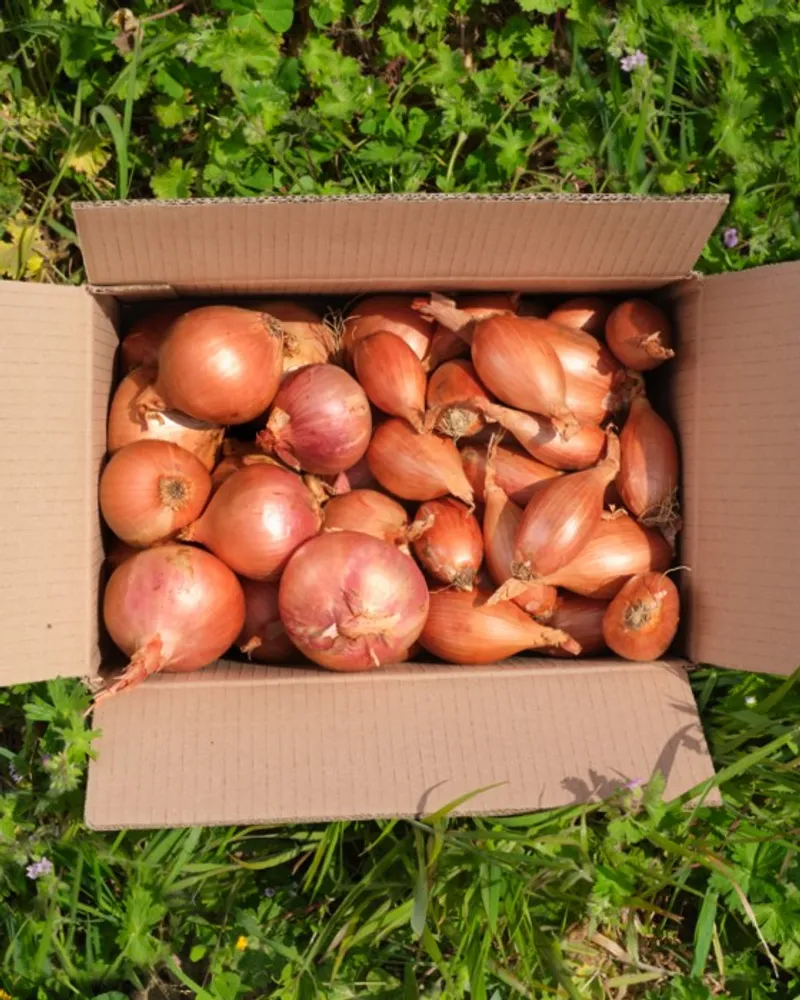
<point>395,242</point>
<point>243,744</point>
<point>48,500</point>
<point>738,410</point>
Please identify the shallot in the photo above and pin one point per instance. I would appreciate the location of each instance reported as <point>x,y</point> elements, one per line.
<point>587,312</point>
<point>447,345</point>
<point>516,473</point>
<point>367,511</point>
<point>641,621</point>
<point>388,314</point>
<point>582,618</point>
<point>306,339</point>
<point>639,334</point>
<point>448,542</point>
<point>452,384</point>
<point>392,376</point>
<point>416,466</point>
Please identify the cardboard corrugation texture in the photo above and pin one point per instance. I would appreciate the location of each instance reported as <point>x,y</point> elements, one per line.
<point>242,744</point>
<point>737,402</point>
<point>400,243</point>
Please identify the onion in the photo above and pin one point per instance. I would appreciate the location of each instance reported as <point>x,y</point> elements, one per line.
<point>392,376</point>
<point>388,314</point>
<point>448,542</point>
<point>173,608</point>
<point>218,363</point>
<point>321,421</point>
<point>256,520</point>
<point>126,424</point>
<point>263,636</point>
<point>619,548</point>
<point>141,343</point>
<point>587,312</point>
<point>595,379</point>
<point>562,516</point>
<point>446,344</point>
<point>648,471</point>
<point>582,618</point>
<point>416,466</point>
<point>462,627</point>
<point>352,602</point>
<point>150,490</point>
<point>453,383</point>
<point>306,339</point>
<point>370,512</point>
<point>516,473</point>
<point>642,619</point>
<point>639,334</point>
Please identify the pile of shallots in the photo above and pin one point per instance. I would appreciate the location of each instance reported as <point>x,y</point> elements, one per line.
<point>473,479</point>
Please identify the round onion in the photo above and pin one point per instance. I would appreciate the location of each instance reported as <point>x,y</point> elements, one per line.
<point>367,511</point>
<point>218,363</point>
<point>126,424</point>
<point>641,621</point>
<point>516,473</point>
<point>263,636</point>
<point>321,421</point>
<point>306,339</point>
<point>595,379</point>
<point>446,344</point>
<point>448,542</point>
<point>639,334</point>
<point>173,608</point>
<point>416,466</point>
<point>587,312</point>
<point>392,376</point>
<point>150,490</point>
<point>462,627</point>
<point>582,618</point>
<point>648,471</point>
<point>256,519</point>
<point>141,343</point>
<point>453,383</point>
<point>388,314</point>
<point>352,602</point>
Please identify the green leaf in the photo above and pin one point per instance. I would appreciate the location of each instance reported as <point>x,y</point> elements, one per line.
<point>543,6</point>
<point>703,932</point>
<point>197,952</point>
<point>174,181</point>
<point>279,14</point>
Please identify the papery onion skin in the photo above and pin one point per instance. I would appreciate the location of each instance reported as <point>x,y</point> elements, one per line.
<point>369,512</point>
<point>351,602</point>
<point>392,376</point>
<point>582,618</point>
<point>586,312</point>
<point>416,466</point>
<point>453,383</point>
<point>263,637</point>
<point>126,424</point>
<point>221,364</point>
<point>595,379</point>
<point>648,473</point>
<point>256,519</point>
<point>321,421</point>
<point>306,339</point>
<point>462,627</point>
<point>516,473</point>
<point>388,314</point>
<point>450,543</point>
<point>641,621</point>
<point>150,490</point>
<point>639,334</point>
<point>141,343</point>
<point>174,608</point>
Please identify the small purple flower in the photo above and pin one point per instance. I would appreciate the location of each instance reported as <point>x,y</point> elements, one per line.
<point>45,759</point>
<point>14,774</point>
<point>634,783</point>
<point>39,868</point>
<point>730,237</point>
<point>632,61</point>
<point>269,892</point>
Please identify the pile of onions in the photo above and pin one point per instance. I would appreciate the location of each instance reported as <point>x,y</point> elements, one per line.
<point>127,424</point>
<point>416,466</point>
<point>320,422</point>
<point>263,636</point>
<point>588,313</point>
<point>306,339</point>
<point>352,602</point>
<point>641,621</point>
<point>370,512</point>
<point>648,473</point>
<point>173,608</point>
<point>256,519</point>
<point>141,343</point>
<point>392,376</point>
<point>388,314</point>
<point>221,364</point>
<point>150,490</point>
<point>452,384</point>
<point>463,627</point>
<point>639,334</point>
<point>516,473</point>
<point>448,542</point>
<point>582,618</point>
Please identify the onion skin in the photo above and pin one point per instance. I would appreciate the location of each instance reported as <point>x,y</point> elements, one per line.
<point>619,549</point>
<point>306,339</point>
<point>450,543</point>
<point>639,335</point>
<point>416,466</point>
<point>221,364</point>
<point>516,473</point>
<point>150,490</point>
<point>126,424</point>
<point>173,608</point>
<point>562,516</point>
<point>453,383</point>
<point>586,312</point>
<point>388,314</point>
<point>462,627</point>
<point>369,512</point>
<point>595,379</point>
<point>392,376</point>
<point>263,637</point>
<point>321,421</point>
<point>641,621</point>
<point>141,343</point>
<point>648,472</point>
<point>582,618</point>
<point>351,602</point>
<point>256,519</point>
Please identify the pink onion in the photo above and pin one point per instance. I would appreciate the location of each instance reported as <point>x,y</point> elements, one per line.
<point>370,512</point>
<point>263,636</point>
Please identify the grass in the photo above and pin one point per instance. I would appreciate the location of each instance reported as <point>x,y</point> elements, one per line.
<point>628,898</point>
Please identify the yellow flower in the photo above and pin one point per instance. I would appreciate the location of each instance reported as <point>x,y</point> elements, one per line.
<point>241,944</point>
<point>4,995</point>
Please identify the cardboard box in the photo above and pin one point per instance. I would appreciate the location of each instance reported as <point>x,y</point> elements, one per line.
<point>245,744</point>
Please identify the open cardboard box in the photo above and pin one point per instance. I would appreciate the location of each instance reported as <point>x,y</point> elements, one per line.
<point>243,744</point>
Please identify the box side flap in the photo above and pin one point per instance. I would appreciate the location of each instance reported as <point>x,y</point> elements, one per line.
<point>45,379</point>
<point>239,744</point>
<point>411,242</point>
<point>737,404</point>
